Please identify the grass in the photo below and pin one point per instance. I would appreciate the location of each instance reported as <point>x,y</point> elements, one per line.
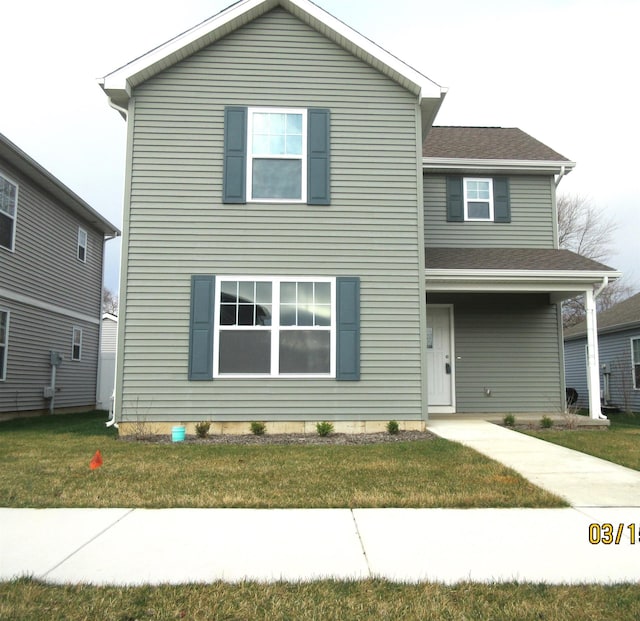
<point>348,601</point>
<point>44,462</point>
<point>619,444</point>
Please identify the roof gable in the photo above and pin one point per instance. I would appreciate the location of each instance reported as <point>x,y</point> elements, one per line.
<point>119,84</point>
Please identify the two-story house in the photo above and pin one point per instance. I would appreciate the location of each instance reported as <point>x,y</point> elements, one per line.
<point>300,244</point>
<point>51,263</point>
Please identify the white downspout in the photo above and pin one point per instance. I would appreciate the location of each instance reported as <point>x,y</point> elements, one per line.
<point>560,176</point>
<point>123,111</point>
<point>593,364</point>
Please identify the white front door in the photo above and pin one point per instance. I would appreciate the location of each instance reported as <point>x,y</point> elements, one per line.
<point>439,359</point>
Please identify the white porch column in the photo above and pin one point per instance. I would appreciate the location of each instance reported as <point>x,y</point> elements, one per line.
<point>593,359</point>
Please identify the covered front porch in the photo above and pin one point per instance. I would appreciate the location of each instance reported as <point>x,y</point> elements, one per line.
<point>501,309</point>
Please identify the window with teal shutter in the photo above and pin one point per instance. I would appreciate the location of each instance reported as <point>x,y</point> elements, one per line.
<point>276,155</point>
<point>478,199</point>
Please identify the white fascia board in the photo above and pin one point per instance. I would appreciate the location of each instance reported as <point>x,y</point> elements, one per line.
<point>516,280</point>
<point>486,165</point>
<point>118,84</point>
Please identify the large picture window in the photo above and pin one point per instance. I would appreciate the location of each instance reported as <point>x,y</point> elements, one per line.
<point>277,153</point>
<point>275,327</point>
<point>635,362</point>
<point>4,343</point>
<point>8,209</point>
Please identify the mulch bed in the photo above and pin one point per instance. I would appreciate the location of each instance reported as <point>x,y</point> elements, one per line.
<point>291,438</point>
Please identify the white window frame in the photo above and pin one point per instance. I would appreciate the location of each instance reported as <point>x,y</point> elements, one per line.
<point>5,345</point>
<point>467,200</point>
<point>14,217</point>
<point>634,363</point>
<point>275,328</point>
<point>302,157</point>
<point>77,331</point>
<point>82,244</point>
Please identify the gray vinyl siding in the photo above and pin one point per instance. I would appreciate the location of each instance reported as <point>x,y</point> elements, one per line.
<point>614,351</point>
<point>44,263</point>
<point>177,226</point>
<point>575,369</point>
<point>109,336</point>
<point>508,343</point>
<point>33,333</point>
<point>532,217</point>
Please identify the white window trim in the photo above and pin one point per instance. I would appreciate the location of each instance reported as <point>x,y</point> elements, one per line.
<point>275,327</point>
<point>5,345</point>
<point>85,246</point>
<point>466,199</point>
<point>15,214</point>
<point>303,157</point>
<point>75,331</point>
<point>633,363</point>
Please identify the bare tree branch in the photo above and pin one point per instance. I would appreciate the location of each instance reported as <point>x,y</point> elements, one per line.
<point>109,302</point>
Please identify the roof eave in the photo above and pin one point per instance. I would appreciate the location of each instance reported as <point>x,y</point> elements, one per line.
<point>119,84</point>
<point>53,186</point>
<point>443,164</point>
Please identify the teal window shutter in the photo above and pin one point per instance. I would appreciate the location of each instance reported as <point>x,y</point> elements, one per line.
<point>348,328</point>
<point>318,165</point>
<point>201,328</point>
<point>455,199</point>
<point>501,200</point>
<point>234,186</point>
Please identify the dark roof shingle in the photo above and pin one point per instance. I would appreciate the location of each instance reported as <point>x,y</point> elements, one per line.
<point>542,259</point>
<point>623,315</point>
<point>495,143</point>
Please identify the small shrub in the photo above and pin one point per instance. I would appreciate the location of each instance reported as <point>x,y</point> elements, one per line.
<point>258,428</point>
<point>393,427</point>
<point>324,428</point>
<point>202,428</point>
<point>546,422</point>
<point>509,420</point>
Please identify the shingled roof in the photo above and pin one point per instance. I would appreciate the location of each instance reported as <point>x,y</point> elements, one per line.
<point>494,143</point>
<point>526,259</point>
<point>622,316</point>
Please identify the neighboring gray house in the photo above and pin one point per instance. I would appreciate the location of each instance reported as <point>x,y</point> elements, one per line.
<point>292,254</point>
<point>51,254</point>
<point>619,351</point>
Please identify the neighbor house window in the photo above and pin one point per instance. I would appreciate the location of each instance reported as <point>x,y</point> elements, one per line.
<point>8,210</point>
<point>82,245</point>
<point>275,327</point>
<point>76,347</point>
<point>277,153</point>
<point>478,199</point>
<point>635,361</point>
<point>4,343</point>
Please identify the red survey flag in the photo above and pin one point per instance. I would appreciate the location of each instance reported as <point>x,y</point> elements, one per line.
<point>96,462</point>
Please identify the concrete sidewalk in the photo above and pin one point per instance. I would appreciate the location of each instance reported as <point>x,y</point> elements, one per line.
<point>177,546</point>
<point>582,480</point>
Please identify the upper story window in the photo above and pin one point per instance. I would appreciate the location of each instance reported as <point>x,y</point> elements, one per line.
<point>4,343</point>
<point>76,345</point>
<point>82,245</point>
<point>277,155</point>
<point>277,152</point>
<point>635,362</point>
<point>478,199</point>
<point>8,211</point>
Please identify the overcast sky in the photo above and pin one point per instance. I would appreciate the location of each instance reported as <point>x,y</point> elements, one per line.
<point>564,71</point>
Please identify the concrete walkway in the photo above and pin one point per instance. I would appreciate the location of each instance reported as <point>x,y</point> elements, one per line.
<point>582,480</point>
<point>176,546</point>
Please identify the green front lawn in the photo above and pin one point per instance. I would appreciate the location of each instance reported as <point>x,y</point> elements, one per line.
<point>619,444</point>
<point>44,462</point>
<point>347,601</point>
